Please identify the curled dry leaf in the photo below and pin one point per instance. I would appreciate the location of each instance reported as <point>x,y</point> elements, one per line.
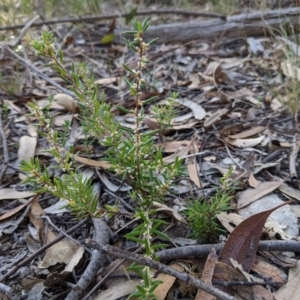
<point>9,225</point>
<point>91,162</point>
<point>252,181</point>
<point>244,143</point>
<point>198,111</point>
<point>151,123</point>
<point>27,147</point>
<point>250,132</point>
<point>173,146</point>
<point>66,101</point>
<point>290,70</point>
<point>112,187</point>
<point>169,211</point>
<point>16,209</point>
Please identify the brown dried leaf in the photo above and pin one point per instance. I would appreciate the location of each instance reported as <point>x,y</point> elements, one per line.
<point>66,101</point>
<point>13,194</point>
<point>291,192</point>
<point>27,147</point>
<point>193,167</point>
<point>252,181</point>
<point>107,80</point>
<point>119,290</point>
<point>61,119</point>
<point>173,146</point>
<point>162,290</point>
<point>243,242</point>
<point>293,159</point>
<point>215,117</point>
<point>266,270</point>
<point>244,143</point>
<point>231,129</point>
<point>169,211</point>
<point>230,221</point>
<point>92,163</point>
<point>250,195</point>
<point>207,275</point>
<point>291,290</point>
<point>151,123</point>
<point>62,252</point>
<point>16,209</point>
<point>198,111</point>
<point>181,153</point>
<point>250,132</point>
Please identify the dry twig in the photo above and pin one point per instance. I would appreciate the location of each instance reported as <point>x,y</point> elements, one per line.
<point>200,250</point>
<point>140,259</point>
<point>5,149</point>
<point>75,20</point>
<point>98,260</point>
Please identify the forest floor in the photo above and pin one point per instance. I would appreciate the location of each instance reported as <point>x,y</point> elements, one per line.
<point>237,109</point>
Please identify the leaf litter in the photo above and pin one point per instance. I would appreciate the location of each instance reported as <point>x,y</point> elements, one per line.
<point>231,106</point>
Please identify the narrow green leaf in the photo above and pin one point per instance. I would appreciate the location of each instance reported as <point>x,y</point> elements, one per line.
<point>152,41</point>
<point>128,69</point>
<point>107,38</point>
<point>130,15</point>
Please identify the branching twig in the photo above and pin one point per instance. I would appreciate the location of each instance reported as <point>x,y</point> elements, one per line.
<point>140,259</point>
<point>64,233</point>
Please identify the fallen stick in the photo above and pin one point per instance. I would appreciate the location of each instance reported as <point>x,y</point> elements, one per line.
<point>200,250</point>
<point>140,259</point>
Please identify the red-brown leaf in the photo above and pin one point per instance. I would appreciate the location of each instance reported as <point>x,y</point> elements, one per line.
<point>243,241</point>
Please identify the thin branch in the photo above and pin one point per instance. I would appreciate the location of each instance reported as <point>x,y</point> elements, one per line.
<point>64,233</point>
<point>5,149</point>
<point>75,20</point>
<point>199,250</point>
<point>246,283</point>
<point>98,260</point>
<point>103,279</point>
<point>23,31</point>
<point>41,250</point>
<point>140,259</point>
<point>38,72</point>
